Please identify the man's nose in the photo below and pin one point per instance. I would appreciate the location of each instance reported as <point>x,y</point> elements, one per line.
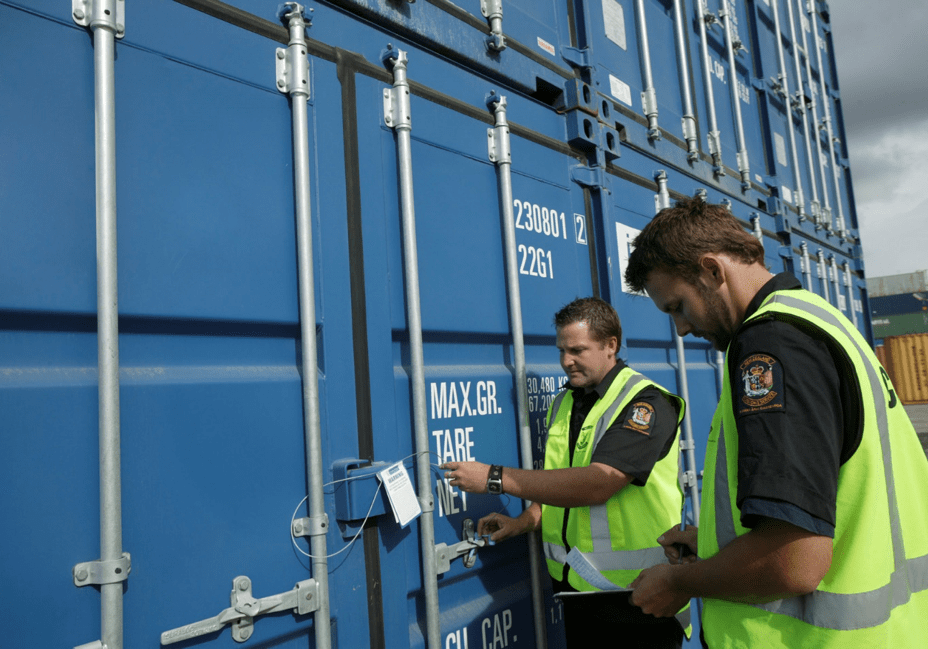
<point>683,327</point>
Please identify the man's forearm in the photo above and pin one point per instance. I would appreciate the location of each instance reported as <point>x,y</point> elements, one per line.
<point>574,487</point>
<point>772,561</point>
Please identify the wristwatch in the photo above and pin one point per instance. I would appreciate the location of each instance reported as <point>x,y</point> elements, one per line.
<point>495,480</point>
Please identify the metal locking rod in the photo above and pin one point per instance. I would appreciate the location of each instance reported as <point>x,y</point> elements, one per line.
<point>826,110</point>
<point>500,154</point>
<point>823,274</point>
<point>492,10</point>
<point>293,79</point>
<point>649,96</point>
<point>106,18</point>
<point>784,87</point>
<point>690,133</point>
<point>806,266</point>
<point>397,116</point>
<point>744,167</point>
<point>824,216</point>
<point>714,137</point>
<point>849,282</point>
<point>244,608</point>
<point>800,105</point>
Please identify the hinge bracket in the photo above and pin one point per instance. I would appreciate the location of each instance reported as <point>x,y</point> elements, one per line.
<point>95,573</point>
<point>109,14</point>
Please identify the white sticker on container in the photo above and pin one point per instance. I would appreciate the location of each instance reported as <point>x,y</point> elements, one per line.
<point>545,45</point>
<point>842,302</point>
<point>620,90</point>
<point>759,179</point>
<point>614,22</point>
<point>824,159</point>
<point>780,146</point>
<point>787,193</point>
<point>625,235</point>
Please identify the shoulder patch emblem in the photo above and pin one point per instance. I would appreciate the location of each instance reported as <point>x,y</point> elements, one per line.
<point>760,386</point>
<point>640,417</point>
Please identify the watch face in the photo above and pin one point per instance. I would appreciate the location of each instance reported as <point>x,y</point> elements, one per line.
<point>495,487</point>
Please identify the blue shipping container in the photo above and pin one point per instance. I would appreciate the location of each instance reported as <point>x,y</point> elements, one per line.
<point>273,339</point>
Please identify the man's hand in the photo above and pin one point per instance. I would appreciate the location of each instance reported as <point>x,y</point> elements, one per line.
<point>499,526</point>
<point>672,541</point>
<point>656,593</point>
<point>467,476</point>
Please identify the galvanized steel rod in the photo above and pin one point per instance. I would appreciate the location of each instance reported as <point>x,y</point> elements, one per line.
<point>688,439</point>
<point>298,89</point>
<point>826,110</point>
<point>403,126</point>
<point>833,274</point>
<point>501,155</point>
<point>103,25</point>
<point>649,96</point>
<point>849,282</point>
<point>823,274</point>
<point>813,104</point>
<point>806,266</point>
<point>803,111</point>
<point>690,132</point>
<point>744,167</point>
<point>784,81</point>
<point>714,137</point>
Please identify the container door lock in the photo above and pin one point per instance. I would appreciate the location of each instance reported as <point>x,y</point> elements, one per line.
<point>241,614</point>
<point>467,548</point>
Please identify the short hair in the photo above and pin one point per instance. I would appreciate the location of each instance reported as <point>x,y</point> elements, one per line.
<point>676,239</point>
<point>598,314</point>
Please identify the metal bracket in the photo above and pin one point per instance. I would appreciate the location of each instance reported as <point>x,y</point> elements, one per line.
<point>245,608</point>
<point>498,149</point>
<point>579,58</point>
<point>662,198</point>
<point>588,176</point>
<point>467,548</point>
<point>688,479</point>
<point>493,12</point>
<point>396,106</point>
<point>95,573</point>
<point>292,64</point>
<point>110,14</point>
<point>317,526</point>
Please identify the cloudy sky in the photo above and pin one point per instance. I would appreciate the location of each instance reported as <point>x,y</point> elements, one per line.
<point>882,57</point>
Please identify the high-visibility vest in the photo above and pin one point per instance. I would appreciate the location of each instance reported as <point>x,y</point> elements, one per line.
<point>618,537</point>
<point>876,592</point>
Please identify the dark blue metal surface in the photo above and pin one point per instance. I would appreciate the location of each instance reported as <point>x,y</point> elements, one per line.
<point>212,433</point>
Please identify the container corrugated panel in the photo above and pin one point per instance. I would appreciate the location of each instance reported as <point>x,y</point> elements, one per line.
<point>904,284</point>
<point>897,304</point>
<point>211,407</point>
<point>907,364</point>
<point>900,324</point>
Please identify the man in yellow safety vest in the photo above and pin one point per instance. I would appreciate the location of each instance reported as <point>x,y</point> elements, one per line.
<point>814,527</point>
<point>609,486</point>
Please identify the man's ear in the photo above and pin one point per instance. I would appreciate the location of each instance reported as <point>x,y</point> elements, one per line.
<point>712,270</point>
<point>613,343</point>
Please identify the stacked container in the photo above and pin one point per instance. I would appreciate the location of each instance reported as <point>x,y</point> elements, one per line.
<point>342,231</point>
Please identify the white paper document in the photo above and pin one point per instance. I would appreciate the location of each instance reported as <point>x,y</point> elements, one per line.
<point>399,491</point>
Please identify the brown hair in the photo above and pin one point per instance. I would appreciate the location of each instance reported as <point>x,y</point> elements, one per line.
<point>598,314</point>
<point>679,236</point>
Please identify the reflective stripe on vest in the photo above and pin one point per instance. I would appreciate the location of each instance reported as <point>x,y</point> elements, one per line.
<point>820,608</point>
<point>603,557</point>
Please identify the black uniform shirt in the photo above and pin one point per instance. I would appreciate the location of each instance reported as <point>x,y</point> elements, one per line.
<point>797,414</point>
<point>628,445</point>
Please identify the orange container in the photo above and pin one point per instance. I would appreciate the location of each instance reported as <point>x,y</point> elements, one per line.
<point>906,360</point>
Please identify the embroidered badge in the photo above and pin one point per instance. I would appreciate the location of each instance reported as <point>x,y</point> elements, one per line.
<point>640,417</point>
<point>586,433</point>
<point>761,384</point>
